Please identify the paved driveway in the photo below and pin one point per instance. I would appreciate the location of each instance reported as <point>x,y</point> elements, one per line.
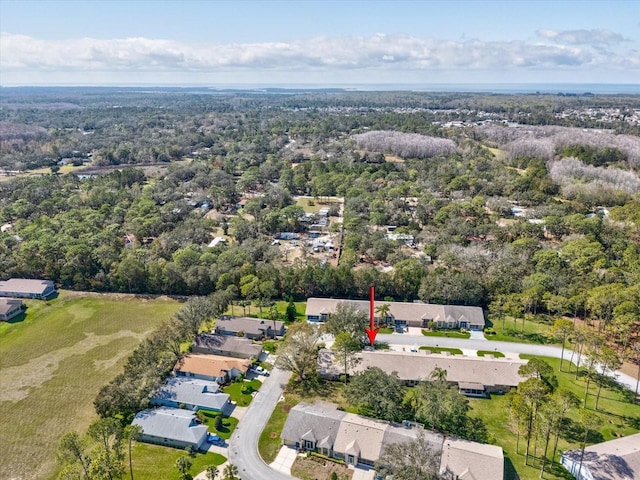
<point>284,460</point>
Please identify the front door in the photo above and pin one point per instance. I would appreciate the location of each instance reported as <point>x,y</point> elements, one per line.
<point>351,460</point>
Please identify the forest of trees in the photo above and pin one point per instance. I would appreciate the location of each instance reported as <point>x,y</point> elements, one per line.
<point>523,220</point>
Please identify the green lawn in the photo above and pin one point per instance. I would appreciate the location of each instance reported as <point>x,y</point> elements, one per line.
<point>446,333</point>
<point>151,462</point>
<point>240,392</point>
<point>228,424</point>
<point>535,331</point>
<point>254,311</point>
<point>54,362</point>
<point>495,353</point>
<point>269,442</point>
<point>452,351</point>
<point>386,330</point>
<point>619,418</point>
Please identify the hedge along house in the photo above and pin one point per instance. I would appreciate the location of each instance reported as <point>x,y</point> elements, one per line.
<point>27,288</point>
<point>404,314</point>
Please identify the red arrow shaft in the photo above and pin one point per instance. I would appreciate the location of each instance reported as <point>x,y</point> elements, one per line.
<point>371,295</point>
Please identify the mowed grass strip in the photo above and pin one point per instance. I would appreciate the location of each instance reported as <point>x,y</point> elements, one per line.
<point>53,364</point>
<point>154,462</point>
<point>620,418</point>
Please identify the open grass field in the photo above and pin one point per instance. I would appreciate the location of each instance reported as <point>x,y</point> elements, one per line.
<point>154,462</point>
<point>254,311</point>
<point>54,362</point>
<point>511,330</point>
<point>619,418</point>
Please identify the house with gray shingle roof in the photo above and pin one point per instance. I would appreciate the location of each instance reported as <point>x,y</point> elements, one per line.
<point>254,328</point>
<point>171,427</point>
<point>404,313</point>
<point>27,288</point>
<point>313,426</point>
<point>358,440</point>
<point>190,393</point>
<point>617,459</point>
<point>472,375</point>
<point>10,308</point>
<point>227,345</point>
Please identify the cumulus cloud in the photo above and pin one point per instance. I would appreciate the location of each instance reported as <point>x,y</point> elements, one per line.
<point>566,50</point>
<point>595,37</point>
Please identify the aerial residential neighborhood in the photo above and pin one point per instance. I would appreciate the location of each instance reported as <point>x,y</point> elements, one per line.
<point>354,240</point>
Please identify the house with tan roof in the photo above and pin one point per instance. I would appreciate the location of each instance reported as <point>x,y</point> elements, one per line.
<point>226,345</point>
<point>404,313</point>
<point>322,428</point>
<point>27,288</point>
<point>474,376</point>
<point>617,459</point>
<point>10,308</point>
<point>211,367</point>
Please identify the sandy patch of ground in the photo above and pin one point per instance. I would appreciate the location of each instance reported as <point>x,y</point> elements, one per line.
<point>16,381</point>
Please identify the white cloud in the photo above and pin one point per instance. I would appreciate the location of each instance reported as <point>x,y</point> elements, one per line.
<point>595,37</point>
<point>564,50</point>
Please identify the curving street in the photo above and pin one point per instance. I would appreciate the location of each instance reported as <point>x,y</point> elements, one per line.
<point>243,444</point>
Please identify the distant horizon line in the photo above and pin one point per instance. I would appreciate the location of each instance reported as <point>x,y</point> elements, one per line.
<point>489,87</point>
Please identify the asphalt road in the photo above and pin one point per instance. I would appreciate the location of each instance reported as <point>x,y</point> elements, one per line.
<point>243,444</point>
<point>504,347</point>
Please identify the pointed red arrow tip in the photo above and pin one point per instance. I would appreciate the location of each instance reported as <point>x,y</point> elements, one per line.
<point>371,333</point>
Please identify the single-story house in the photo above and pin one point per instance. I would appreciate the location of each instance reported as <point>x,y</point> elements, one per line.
<point>482,375</point>
<point>10,308</point>
<point>322,428</point>
<point>190,393</point>
<point>27,288</point>
<point>253,328</point>
<point>465,460</point>
<point>404,314</point>
<point>617,459</point>
<point>172,427</point>
<point>226,345</point>
<point>215,368</point>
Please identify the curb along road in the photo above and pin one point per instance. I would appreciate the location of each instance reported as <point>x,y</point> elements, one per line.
<point>243,444</point>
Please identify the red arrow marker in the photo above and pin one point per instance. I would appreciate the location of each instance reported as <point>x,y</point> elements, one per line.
<point>371,332</point>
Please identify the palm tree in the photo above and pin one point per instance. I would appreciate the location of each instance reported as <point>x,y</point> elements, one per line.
<point>383,312</point>
<point>230,472</point>
<point>211,472</point>
<point>438,375</point>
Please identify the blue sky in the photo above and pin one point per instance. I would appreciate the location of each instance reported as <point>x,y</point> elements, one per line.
<point>328,42</point>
